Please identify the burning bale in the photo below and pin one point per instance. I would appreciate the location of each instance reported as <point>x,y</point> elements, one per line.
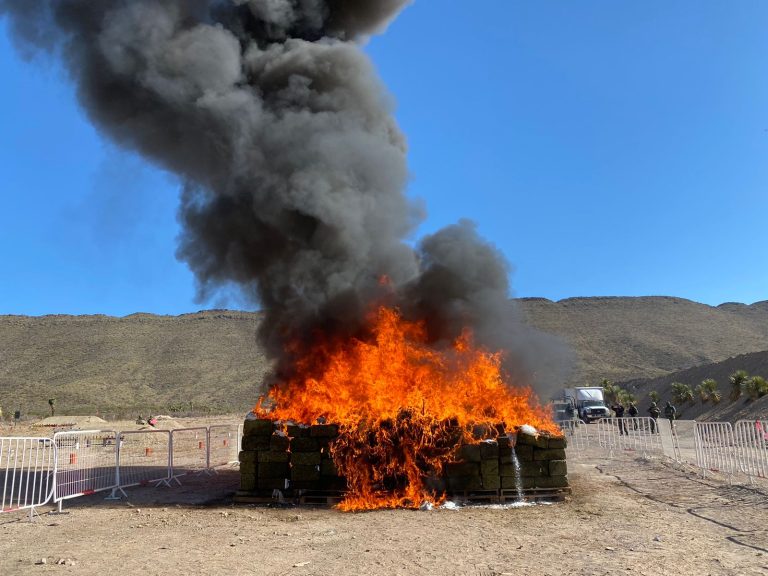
<point>298,461</point>
<point>405,423</point>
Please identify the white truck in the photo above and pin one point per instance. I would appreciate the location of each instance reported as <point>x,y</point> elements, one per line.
<point>587,403</point>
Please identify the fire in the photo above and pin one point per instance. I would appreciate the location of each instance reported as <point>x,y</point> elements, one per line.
<point>403,407</point>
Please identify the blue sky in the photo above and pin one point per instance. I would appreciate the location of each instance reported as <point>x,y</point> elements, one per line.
<point>607,148</point>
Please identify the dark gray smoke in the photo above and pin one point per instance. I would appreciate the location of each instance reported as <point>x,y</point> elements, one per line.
<point>294,170</point>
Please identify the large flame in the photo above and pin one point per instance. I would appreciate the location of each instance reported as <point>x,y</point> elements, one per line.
<point>403,407</point>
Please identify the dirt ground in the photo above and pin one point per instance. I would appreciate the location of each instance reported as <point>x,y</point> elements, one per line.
<point>625,517</point>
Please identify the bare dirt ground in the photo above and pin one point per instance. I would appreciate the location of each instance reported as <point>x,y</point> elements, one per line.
<point>625,517</point>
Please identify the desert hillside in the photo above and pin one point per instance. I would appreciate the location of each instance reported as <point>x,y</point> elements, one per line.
<point>627,338</point>
<point>210,360</point>
<point>755,364</point>
<point>132,365</point>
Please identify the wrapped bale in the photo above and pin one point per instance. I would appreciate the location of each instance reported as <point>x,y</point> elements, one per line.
<point>296,457</point>
<point>536,462</point>
<point>312,468</point>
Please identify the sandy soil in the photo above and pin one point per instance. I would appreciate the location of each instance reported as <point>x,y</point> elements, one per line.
<point>625,517</point>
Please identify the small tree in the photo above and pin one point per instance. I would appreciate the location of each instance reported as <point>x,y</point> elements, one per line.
<point>681,393</point>
<point>654,396</point>
<point>756,387</point>
<point>737,380</point>
<point>52,404</point>
<point>707,391</point>
<point>610,391</point>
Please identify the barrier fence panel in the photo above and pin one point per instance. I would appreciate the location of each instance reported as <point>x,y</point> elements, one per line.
<point>630,435</point>
<point>144,457</point>
<point>681,438</point>
<point>27,468</point>
<point>223,441</point>
<point>667,433</point>
<point>189,451</point>
<point>85,463</point>
<point>576,433</point>
<point>751,439</point>
<point>715,447</point>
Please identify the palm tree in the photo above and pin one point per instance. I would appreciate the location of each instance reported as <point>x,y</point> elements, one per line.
<point>681,393</point>
<point>737,380</point>
<point>756,387</point>
<point>707,391</point>
<point>610,391</point>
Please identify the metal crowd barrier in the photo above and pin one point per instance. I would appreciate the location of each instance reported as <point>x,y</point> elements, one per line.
<point>27,467</point>
<point>576,433</point>
<point>751,440</point>
<point>735,451</point>
<point>630,435</point>
<point>223,445</point>
<point>143,458</point>
<point>86,463</point>
<point>715,448</point>
<point>35,470</point>
<point>189,452</point>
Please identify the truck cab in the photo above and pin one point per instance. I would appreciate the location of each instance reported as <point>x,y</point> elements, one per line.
<point>589,403</point>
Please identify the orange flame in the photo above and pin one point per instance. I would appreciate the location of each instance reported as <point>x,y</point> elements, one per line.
<point>399,403</point>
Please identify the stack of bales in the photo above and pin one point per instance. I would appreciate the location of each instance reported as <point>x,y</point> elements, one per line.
<point>297,458</point>
<point>541,459</point>
<point>490,465</point>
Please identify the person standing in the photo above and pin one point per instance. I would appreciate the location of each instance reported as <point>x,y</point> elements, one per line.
<point>670,412</point>
<point>619,410</point>
<point>632,411</point>
<point>655,413</point>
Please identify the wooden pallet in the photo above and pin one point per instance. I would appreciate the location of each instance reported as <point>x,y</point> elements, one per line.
<point>537,494</point>
<point>332,498</point>
<point>320,497</point>
<point>476,496</point>
<point>260,497</point>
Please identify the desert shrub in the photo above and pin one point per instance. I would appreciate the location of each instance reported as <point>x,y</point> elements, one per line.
<point>611,391</point>
<point>756,387</point>
<point>681,393</point>
<point>614,393</point>
<point>737,380</point>
<point>707,391</point>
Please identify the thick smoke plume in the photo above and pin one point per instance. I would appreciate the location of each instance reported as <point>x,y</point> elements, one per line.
<point>292,165</point>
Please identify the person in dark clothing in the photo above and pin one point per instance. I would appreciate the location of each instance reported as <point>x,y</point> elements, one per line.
<point>619,410</point>
<point>655,413</point>
<point>670,412</point>
<point>632,411</point>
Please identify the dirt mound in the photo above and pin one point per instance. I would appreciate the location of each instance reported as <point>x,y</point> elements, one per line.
<point>71,421</point>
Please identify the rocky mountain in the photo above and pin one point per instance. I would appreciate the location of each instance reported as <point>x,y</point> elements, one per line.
<point>210,361</point>
<point>629,338</point>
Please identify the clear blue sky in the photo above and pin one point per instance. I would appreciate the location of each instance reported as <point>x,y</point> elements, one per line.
<point>606,147</point>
